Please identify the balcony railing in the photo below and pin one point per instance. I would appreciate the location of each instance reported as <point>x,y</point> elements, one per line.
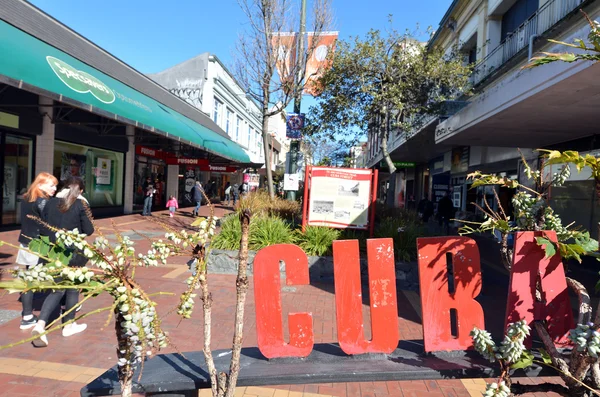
<point>543,19</point>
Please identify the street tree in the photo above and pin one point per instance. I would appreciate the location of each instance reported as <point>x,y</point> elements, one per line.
<point>265,46</point>
<point>383,83</point>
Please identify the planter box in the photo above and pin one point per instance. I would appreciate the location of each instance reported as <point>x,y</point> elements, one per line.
<point>320,268</point>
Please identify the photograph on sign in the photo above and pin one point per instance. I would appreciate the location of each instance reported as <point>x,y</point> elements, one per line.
<point>291,182</point>
<point>339,197</point>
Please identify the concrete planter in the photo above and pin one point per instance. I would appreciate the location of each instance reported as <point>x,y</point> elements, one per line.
<point>320,268</point>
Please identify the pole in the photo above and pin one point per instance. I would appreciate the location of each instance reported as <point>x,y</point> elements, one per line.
<point>295,144</point>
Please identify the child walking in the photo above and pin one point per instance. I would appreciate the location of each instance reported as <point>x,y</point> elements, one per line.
<point>172,205</point>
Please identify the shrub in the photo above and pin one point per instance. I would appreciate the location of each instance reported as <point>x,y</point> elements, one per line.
<point>404,229</point>
<point>267,230</point>
<point>316,240</point>
<point>229,236</point>
<point>262,204</point>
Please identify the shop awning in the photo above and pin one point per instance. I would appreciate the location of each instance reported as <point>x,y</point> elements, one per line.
<point>30,64</point>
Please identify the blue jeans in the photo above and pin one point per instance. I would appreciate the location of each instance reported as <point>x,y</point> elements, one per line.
<point>197,208</point>
<point>147,205</point>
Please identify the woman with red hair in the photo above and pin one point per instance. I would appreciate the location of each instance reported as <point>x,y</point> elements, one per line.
<point>34,201</point>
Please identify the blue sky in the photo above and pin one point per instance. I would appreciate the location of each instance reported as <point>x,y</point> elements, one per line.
<point>152,35</point>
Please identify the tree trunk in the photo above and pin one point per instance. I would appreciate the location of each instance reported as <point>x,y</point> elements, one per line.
<point>384,134</point>
<point>242,289</point>
<point>266,141</point>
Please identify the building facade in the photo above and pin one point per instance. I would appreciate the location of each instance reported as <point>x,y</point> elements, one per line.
<point>546,107</point>
<point>70,108</point>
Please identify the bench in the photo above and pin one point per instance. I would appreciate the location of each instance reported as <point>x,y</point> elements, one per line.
<point>183,375</point>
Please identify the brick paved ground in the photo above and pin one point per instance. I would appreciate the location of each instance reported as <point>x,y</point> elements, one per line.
<point>68,363</point>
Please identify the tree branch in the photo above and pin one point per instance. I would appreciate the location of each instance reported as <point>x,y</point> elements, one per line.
<point>585,310</point>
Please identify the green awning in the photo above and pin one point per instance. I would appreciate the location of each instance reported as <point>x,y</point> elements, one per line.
<point>26,59</point>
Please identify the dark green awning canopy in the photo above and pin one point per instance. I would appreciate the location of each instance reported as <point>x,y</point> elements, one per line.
<point>26,59</point>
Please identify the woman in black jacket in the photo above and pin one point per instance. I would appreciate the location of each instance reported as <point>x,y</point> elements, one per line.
<point>65,212</point>
<point>34,200</point>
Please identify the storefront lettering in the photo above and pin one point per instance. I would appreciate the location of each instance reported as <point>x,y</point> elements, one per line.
<point>80,81</point>
<point>438,301</point>
<point>148,152</point>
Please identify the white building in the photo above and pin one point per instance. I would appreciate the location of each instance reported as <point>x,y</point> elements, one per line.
<point>553,106</point>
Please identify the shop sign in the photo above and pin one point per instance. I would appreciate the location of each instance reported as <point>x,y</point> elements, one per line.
<point>218,168</point>
<point>398,164</point>
<point>9,120</point>
<point>80,81</point>
<point>146,151</point>
<point>291,182</point>
<point>436,165</point>
<point>440,186</point>
<point>186,161</point>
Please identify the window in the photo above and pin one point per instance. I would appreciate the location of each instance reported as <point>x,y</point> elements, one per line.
<point>217,111</point>
<point>228,122</point>
<point>520,12</point>
<point>238,124</point>
<point>259,145</point>
<point>250,133</point>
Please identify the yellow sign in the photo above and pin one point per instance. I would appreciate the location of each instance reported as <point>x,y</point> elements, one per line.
<point>9,120</point>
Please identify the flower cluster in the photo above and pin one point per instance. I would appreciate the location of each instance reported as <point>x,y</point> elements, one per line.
<point>587,338</point>
<point>484,344</point>
<point>139,326</point>
<point>77,274</point>
<point>41,272</point>
<point>71,238</point>
<point>512,347</point>
<point>186,306</point>
<point>497,390</point>
<point>559,178</point>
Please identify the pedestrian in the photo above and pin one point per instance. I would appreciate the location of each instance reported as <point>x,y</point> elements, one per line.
<point>172,205</point>
<point>197,194</point>
<point>445,212</point>
<point>68,212</point>
<point>244,188</point>
<point>235,191</point>
<point>149,191</point>
<point>34,201</point>
<point>228,193</point>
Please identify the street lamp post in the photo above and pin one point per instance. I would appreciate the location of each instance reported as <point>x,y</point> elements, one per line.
<point>295,144</point>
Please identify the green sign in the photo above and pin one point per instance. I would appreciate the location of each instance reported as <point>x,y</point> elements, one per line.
<point>9,120</point>
<point>80,81</point>
<point>398,164</point>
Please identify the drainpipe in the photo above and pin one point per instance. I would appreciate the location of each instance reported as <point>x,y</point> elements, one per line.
<point>531,38</point>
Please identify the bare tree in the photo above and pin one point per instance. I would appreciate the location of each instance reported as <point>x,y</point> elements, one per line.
<point>265,46</point>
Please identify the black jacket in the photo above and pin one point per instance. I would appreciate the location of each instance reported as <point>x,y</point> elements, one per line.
<point>30,229</point>
<point>197,192</point>
<point>75,217</point>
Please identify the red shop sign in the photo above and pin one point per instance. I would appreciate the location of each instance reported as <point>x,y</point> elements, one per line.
<point>148,152</point>
<point>218,168</point>
<point>186,161</point>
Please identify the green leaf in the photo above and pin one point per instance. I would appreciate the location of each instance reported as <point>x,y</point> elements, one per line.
<point>525,361</point>
<point>545,356</point>
<point>547,245</point>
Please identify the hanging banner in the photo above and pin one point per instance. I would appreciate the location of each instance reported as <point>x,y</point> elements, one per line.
<point>284,46</point>
<point>340,197</point>
<point>294,125</point>
<point>318,61</point>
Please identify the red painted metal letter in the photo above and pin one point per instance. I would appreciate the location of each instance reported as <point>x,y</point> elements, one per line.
<point>436,298</point>
<point>348,296</point>
<point>267,295</point>
<point>529,264</point>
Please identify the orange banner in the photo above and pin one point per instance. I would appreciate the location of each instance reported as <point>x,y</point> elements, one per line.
<point>318,61</point>
<point>284,46</point>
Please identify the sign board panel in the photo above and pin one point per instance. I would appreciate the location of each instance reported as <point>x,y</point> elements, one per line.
<point>340,197</point>
<point>291,182</point>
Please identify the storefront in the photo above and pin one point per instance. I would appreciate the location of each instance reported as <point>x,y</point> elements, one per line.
<point>213,178</point>
<point>17,163</point>
<point>149,164</point>
<point>101,170</point>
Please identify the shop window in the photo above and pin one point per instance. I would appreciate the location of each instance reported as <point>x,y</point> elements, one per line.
<point>101,171</point>
<point>217,111</point>
<point>228,122</point>
<point>16,179</point>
